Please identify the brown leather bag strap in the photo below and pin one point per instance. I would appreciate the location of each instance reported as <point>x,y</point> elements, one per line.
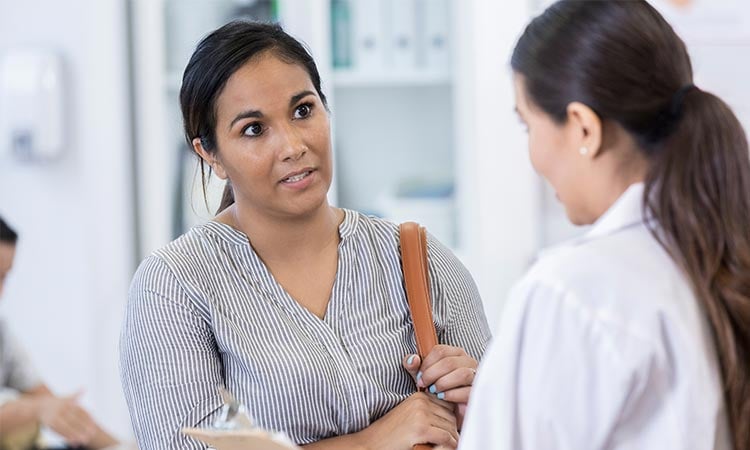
<point>414,263</point>
<point>413,239</point>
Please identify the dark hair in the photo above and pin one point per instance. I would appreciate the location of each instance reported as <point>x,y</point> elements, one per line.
<point>622,59</point>
<point>7,234</point>
<point>215,59</point>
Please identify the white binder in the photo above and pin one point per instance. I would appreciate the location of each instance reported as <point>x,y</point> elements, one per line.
<point>435,35</point>
<point>402,26</point>
<point>369,35</point>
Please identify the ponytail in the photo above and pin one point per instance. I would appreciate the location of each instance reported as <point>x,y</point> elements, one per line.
<point>227,198</point>
<point>698,190</point>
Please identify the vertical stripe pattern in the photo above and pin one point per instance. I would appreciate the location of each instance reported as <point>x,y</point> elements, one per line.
<point>205,310</point>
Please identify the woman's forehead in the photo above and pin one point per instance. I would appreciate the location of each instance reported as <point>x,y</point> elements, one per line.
<point>265,80</point>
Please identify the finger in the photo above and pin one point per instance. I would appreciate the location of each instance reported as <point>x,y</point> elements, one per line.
<point>62,426</point>
<point>80,422</point>
<point>440,352</point>
<point>446,366</point>
<point>411,363</point>
<point>459,395</point>
<point>441,435</point>
<point>457,378</point>
<point>444,419</point>
<point>434,430</point>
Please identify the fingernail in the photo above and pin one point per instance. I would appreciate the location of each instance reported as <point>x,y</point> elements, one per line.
<point>419,376</point>
<point>410,360</point>
<point>433,389</point>
<point>441,395</point>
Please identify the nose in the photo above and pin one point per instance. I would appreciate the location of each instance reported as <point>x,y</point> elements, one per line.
<point>292,144</point>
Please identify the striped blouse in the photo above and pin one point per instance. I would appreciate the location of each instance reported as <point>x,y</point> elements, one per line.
<point>17,374</point>
<point>205,311</point>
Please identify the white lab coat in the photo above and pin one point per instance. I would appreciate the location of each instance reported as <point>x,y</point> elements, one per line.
<point>602,345</point>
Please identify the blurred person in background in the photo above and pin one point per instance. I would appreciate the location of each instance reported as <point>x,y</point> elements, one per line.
<point>296,306</point>
<point>26,403</point>
<point>636,335</point>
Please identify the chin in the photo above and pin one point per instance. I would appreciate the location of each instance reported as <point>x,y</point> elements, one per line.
<point>310,204</point>
<point>578,219</point>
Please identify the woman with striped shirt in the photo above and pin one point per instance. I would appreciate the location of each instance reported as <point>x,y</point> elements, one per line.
<point>296,306</point>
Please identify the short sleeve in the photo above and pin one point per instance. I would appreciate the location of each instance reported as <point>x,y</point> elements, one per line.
<point>16,370</point>
<point>457,306</point>
<point>169,362</point>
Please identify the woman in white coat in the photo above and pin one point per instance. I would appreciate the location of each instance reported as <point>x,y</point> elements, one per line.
<point>636,335</point>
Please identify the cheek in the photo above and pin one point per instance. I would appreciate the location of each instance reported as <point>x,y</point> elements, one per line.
<point>547,156</point>
<point>535,157</point>
<point>247,166</point>
<point>320,136</point>
<point>541,155</point>
<point>322,132</point>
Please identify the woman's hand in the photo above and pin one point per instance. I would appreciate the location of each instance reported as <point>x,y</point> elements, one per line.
<point>447,373</point>
<point>420,419</point>
<point>66,417</point>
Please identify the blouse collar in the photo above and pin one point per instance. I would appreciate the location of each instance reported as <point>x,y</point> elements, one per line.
<point>347,228</point>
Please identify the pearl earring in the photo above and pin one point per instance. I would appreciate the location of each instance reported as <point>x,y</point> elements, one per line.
<point>583,150</point>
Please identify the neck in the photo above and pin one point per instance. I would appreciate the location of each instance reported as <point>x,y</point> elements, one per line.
<point>610,184</point>
<point>287,238</point>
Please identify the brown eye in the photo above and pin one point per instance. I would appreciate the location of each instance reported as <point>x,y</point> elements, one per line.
<point>254,129</point>
<point>302,111</point>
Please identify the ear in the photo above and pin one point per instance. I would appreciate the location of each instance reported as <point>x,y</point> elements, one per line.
<point>209,158</point>
<point>586,128</point>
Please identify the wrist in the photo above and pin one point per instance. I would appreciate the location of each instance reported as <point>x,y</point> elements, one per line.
<point>365,439</point>
<point>361,440</point>
<point>353,441</point>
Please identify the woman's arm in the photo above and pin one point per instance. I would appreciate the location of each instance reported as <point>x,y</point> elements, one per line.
<point>170,365</point>
<point>18,412</point>
<point>420,419</point>
<point>457,305</point>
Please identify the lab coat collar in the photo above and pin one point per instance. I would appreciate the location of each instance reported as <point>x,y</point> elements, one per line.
<point>625,212</point>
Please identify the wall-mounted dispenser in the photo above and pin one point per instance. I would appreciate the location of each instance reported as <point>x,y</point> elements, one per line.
<point>32,105</point>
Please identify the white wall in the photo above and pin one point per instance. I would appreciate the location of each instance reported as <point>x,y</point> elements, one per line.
<point>65,297</point>
<point>717,35</point>
<point>498,192</point>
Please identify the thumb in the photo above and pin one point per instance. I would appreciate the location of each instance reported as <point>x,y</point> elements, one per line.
<point>412,363</point>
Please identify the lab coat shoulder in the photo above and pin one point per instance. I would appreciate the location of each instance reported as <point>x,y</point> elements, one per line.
<point>626,276</point>
<point>614,261</point>
<point>583,362</point>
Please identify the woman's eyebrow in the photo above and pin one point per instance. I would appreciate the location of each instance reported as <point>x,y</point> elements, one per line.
<point>297,97</point>
<point>246,115</point>
<point>256,114</point>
